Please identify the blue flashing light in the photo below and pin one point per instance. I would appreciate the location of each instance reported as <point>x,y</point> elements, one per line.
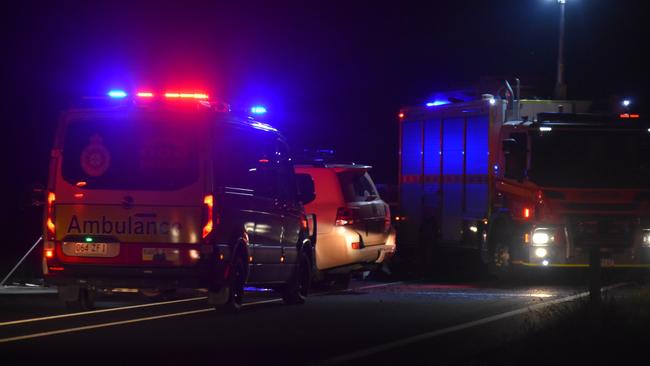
<point>117,94</point>
<point>626,103</point>
<point>436,103</point>
<point>258,109</point>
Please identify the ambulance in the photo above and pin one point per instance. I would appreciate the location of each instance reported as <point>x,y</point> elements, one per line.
<point>159,190</point>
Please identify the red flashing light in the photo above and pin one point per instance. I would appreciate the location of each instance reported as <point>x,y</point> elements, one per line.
<point>634,116</point>
<point>264,161</point>
<point>624,115</point>
<point>401,115</point>
<point>144,94</point>
<point>208,201</point>
<point>526,213</point>
<point>186,95</point>
<point>78,195</point>
<point>49,254</point>
<point>56,268</point>
<point>81,184</point>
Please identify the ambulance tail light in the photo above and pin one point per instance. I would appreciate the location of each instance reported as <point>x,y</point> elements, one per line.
<point>208,215</point>
<point>51,229</point>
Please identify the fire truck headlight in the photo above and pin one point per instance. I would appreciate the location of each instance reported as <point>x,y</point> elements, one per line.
<point>541,252</point>
<point>646,238</point>
<point>541,238</point>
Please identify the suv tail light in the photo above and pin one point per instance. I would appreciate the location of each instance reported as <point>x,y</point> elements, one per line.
<point>208,215</point>
<point>51,229</point>
<point>344,216</point>
<point>386,217</point>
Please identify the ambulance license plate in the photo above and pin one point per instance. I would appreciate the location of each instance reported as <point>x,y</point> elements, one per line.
<point>91,249</point>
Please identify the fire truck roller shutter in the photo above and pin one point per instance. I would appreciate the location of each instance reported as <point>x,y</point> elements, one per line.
<point>431,157</point>
<point>411,189</point>
<point>452,181</point>
<point>476,167</point>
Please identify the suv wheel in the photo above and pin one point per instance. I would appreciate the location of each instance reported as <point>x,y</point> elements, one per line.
<point>295,292</point>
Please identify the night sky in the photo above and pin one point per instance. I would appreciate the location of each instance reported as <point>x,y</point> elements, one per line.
<point>332,74</point>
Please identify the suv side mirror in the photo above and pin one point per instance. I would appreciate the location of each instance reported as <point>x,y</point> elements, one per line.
<point>306,191</point>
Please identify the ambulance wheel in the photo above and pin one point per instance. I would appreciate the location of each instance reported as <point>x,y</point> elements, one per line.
<point>85,300</point>
<point>236,281</point>
<point>159,294</point>
<point>296,291</point>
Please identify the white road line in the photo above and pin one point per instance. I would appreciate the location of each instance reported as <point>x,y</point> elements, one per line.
<point>376,286</point>
<point>421,337</point>
<point>22,321</point>
<point>122,322</point>
<point>103,325</point>
<point>360,288</point>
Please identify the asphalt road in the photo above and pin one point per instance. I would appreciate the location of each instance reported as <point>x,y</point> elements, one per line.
<point>373,322</point>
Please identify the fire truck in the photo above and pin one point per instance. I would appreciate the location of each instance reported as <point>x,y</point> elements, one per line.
<point>524,183</point>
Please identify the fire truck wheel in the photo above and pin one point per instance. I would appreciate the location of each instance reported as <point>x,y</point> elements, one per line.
<point>500,253</point>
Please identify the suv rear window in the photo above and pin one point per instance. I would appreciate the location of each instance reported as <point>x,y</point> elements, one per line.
<point>131,154</point>
<point>356,186</point>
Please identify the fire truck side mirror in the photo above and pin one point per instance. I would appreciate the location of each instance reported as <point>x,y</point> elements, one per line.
<point>508,146</point>
<point>515,159</point>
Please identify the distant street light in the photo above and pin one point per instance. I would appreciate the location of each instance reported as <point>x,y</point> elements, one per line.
<point>560,86</point>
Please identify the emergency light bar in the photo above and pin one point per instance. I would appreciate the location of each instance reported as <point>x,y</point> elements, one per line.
<point>147,96</point>
<point>120,94</point>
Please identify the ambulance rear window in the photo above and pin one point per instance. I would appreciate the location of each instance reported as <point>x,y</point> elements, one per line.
<point>128,154</point>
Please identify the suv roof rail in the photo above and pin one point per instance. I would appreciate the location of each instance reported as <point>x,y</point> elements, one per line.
<point>314,156</point>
